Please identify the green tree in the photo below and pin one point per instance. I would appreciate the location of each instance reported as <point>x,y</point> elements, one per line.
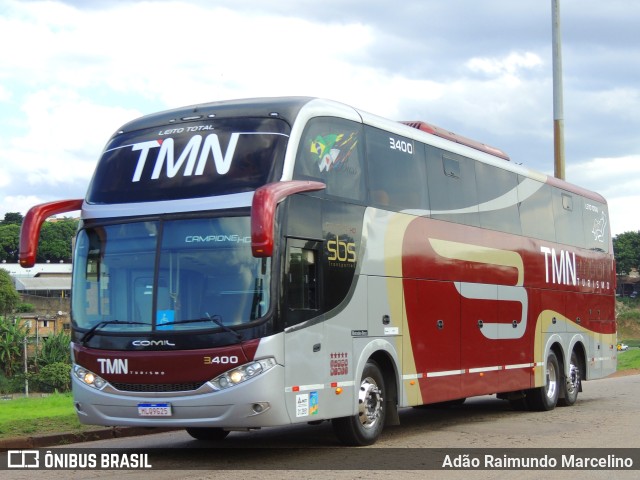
<point>54,243</point>
<point>12,218</point>
<point>55,349</point>
<point>55,240</point>
<point>54,377</point>
<point>12,336</point>
<point>626,249</point>
<point>9,297</point>
<point>9,242</point>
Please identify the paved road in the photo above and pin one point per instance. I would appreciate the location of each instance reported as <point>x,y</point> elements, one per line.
<point>607,414</point>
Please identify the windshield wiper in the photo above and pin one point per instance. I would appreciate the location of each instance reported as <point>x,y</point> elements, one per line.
<point>92,331</point>
<point>217,319</point>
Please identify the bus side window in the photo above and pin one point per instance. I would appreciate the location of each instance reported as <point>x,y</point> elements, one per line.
<point>568,218</point>
<point>536,208</point>
<point>396,171</point>
<point>596,225</point>
<point>498,198</point>
<point>330,152</point>
<point>453,193</point>
<point>302,281</point>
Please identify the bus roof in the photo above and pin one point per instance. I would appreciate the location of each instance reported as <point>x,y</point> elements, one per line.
<point>454,137</point>
<point>286,108</point>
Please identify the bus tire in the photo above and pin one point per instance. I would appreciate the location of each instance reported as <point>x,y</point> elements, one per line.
<point>208,434</point>
<point>365,427</point>
<point>571,383</point>
<point>545,398</point>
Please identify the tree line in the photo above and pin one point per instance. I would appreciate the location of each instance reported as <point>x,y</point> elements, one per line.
<point>47,371</point>
<point>55,239</point>
<point>50,367</point>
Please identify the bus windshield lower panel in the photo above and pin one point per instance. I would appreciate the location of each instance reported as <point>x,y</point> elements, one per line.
<point>176,276</point>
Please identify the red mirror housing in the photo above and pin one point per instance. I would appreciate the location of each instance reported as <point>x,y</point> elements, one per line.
<point>30,230</point>
<point>263,211</point>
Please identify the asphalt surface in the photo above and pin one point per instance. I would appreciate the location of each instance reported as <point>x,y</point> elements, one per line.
<point>106,433</point>
<point>40,441</point>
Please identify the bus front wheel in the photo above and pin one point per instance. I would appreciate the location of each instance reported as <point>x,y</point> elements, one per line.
<point>365,427</point>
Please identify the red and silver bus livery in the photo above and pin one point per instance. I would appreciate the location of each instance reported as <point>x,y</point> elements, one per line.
<point>265,262</point>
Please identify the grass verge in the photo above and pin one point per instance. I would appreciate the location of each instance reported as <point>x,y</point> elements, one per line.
<point>23,417</point>
<point>629,360</point>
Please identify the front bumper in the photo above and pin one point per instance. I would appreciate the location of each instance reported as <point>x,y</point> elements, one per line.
<point>231,408</point>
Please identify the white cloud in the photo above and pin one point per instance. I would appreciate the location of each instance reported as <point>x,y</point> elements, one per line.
<point>63,138</point>
<point>19,203</point>
<point>509,65</point>
<point>87,70</point>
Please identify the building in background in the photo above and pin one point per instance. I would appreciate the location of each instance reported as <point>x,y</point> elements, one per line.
<point>47,286</point>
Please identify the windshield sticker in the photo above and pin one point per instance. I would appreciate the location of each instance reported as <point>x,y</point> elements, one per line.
<point>192,156</point>
<point>599,227</point>
<point>171,159</point>
<point>234,238</point>
<point>332,150</point>
<point>164,317</point>
<point>302,405</point>
<point>174,131</point>
<point>313,403</point>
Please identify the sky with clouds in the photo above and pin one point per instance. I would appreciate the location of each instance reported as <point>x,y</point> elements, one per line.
<point>72,72</point>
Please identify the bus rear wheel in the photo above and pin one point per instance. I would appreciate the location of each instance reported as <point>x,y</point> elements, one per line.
<point>571,384</point>
<point>545,398</point>
<point>208,434</point>
<point>365,427</point>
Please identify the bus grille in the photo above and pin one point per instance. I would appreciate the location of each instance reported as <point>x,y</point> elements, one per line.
<point>156,387</point>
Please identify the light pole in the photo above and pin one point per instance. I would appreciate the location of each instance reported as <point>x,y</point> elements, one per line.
<point>26,376</point>
<point>558,110</point>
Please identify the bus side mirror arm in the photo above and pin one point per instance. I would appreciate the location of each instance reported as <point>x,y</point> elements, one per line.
<point>263,211</point>
<point>32,223</point>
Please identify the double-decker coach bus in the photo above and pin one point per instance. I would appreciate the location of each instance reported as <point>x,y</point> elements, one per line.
<point>255,263</point>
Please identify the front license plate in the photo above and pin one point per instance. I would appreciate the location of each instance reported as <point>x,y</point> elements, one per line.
<point>154,409</point>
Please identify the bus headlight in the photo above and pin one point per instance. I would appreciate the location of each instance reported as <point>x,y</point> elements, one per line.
<point>242,373</point>
<point>88,377</point>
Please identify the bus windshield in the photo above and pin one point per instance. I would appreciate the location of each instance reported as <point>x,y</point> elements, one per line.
<point>176,275</point>
<point>201,159</point>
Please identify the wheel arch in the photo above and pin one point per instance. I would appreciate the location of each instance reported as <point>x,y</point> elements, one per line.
<point>577,346</point>
<point>553,344</point>
<point>390,374</point>
<point>556,348</point>
<point>386,357</point>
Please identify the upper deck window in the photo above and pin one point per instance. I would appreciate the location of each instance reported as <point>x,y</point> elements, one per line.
<point>396,171</point>
<point>330,152</point>
<point>190,160</point>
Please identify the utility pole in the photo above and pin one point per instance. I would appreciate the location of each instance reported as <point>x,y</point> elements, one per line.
<point>26,371</point>
<point>558,110</point>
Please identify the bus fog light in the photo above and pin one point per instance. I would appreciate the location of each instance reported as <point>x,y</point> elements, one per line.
<point>242,373</point>
<point>260,407</point>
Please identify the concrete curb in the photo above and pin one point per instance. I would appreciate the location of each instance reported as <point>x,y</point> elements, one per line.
<point>58,439</point>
